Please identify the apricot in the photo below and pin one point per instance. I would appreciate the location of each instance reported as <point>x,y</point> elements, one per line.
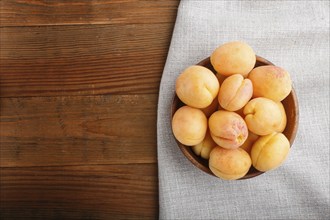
<point>247,145</point>
<point>228,129</point>
<point>271,82</point>
<point>204,148</point>
<point>233,58</point>
<point>208,111</point>
<point>189,125</point>
<point>282,125</point>
<point>197,86</point>
<point>229,164</point>
<point>262,116</point>
<point>235,92</point>
<point>270,151</point>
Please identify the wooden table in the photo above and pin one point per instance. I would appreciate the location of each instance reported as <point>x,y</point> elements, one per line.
<point>79,89</point>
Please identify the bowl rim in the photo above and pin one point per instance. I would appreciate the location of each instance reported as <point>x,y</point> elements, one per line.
<point>200,162</point>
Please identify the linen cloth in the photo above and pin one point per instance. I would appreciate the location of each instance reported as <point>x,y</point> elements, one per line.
<point>291,34</point>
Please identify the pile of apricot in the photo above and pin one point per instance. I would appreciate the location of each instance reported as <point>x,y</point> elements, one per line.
<point>234,118</point>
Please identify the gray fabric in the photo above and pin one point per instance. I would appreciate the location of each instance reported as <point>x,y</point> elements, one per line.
<point>291,34</point>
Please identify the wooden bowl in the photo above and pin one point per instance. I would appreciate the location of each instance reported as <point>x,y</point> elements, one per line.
<point>290,104</point>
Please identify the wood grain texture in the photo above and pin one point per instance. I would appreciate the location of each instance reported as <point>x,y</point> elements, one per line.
<point>79,87</point>
<point>80,192</point>
<point>46,131</point>
<point>62,12</point>
<point>82,60</point>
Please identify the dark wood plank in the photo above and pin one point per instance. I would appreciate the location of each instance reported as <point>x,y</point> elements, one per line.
<point>109,129</point>
<point>79,83</point>
<point>80,192</point>
<point>61,12</point>
<point>82,60</point>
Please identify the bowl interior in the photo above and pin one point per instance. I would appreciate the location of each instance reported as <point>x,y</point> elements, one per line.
<point>290,104</point>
